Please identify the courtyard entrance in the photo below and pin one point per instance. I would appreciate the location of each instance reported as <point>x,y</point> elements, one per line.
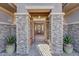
<point>39,31</point>
<point>39,26</point>
<point>39,23</point>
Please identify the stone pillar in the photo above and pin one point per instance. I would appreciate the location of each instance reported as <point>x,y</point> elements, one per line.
<point>22,33</point>
<point>57,33</point>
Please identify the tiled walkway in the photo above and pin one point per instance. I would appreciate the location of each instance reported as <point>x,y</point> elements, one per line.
<point>40,49</point>
<point>34,50</point>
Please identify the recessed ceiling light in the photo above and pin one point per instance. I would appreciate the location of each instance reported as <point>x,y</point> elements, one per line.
<point>39,17</point>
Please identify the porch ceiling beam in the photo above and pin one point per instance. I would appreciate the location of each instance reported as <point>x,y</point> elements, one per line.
<point>69,8</point>
<point>39,14</point>
<point>8,7</point>
<point>76,7</point>
<point>6,11</point>
<point>12,5</point>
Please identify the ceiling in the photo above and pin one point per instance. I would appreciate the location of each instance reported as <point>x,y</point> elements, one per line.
<point>66,7</point>
<point>9,6</point>
<point>37,12</point>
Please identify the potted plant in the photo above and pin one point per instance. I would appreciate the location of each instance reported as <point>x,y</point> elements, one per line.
<point>10,47</point>
<point>68,48</point>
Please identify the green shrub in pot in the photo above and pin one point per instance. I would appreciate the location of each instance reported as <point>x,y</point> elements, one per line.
<point>68,48</point>
<point>67,39</point>
<point>10,48</point>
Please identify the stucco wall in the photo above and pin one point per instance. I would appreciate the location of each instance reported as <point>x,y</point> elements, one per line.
<point>73,17</point>
<point>4,17</point>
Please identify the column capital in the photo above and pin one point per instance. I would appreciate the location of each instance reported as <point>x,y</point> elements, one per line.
<point>55,13</point>
<point>19,14</point>
<point>61,13</point>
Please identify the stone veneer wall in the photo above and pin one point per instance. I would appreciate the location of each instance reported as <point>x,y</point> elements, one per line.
<point>13,30</point>
<point>65,29</point>
<point>73,30</point>
<point>5,31</point>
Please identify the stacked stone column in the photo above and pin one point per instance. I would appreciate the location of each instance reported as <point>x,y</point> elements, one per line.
<point>22,33</point>
<point>56,33</point>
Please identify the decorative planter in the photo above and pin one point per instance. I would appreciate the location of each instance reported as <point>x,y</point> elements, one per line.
<point>68,48</point>
<point>10,49</point>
